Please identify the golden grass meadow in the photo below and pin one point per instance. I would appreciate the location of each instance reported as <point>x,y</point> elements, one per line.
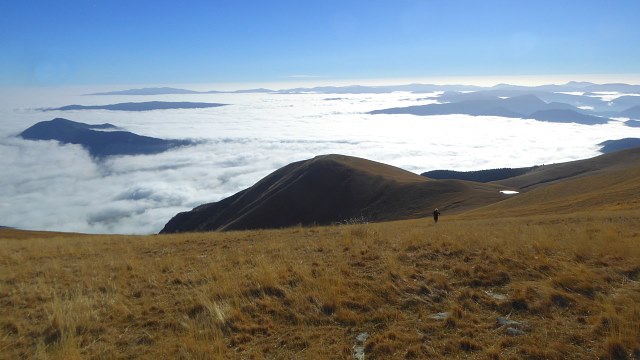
<point>535,287</point>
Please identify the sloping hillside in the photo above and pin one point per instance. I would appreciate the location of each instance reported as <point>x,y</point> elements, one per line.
<point>608,189</point>
<point>334,188</point>
<point>554,173</point>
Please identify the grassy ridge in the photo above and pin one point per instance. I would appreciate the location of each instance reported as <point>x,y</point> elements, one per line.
<point>570,281</point>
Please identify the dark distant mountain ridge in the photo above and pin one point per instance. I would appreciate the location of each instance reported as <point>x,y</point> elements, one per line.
<point>483,176</point>
<point>139,106</point>
<point>619,144</point>
<point>522,106</point>
<point>334,188</point>
<point>99,140</point>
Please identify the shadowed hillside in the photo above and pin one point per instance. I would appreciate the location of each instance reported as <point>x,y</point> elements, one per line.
<point>334,188</point>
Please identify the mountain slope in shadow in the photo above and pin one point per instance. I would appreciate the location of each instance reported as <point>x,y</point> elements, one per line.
<point>100,140</point>
<point>334,188</point>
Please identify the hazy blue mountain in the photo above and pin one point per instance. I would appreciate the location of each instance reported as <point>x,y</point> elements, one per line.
<point>149,91</point>
<point>632,123</point>
<point>620,144</point>
<point>567,116</point>
<point>100,140</point>
<point>469,107</point>
<point>480,104</point>
<point>176,91</point>
<point>550,97</point>
<point>456,96</point>
<point>617,87</point>
<point>358,89</point>
<point>632,113</point>
<point>415,88</point>
<point>426,88</point>
<point>139,106</point>
<point>483,104</point>
<point>252,91</point>
<point>624,102</point>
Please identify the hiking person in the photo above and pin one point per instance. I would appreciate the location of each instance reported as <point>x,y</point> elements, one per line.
<point>436,213</point>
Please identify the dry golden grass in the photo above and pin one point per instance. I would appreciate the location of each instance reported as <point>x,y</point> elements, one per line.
<point>571,282</point>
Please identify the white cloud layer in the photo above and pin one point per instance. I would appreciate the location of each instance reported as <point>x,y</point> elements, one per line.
<point>49,186</point>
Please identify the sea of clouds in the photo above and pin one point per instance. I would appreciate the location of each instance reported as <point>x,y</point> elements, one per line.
<point>48,186</point>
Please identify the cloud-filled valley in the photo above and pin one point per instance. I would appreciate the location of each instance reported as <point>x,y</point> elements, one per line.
<point>50,186</point>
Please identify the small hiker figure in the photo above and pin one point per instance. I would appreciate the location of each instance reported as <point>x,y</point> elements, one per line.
<point>436,213</point>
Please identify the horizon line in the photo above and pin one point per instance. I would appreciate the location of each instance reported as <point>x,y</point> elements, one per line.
<point>309,81</point>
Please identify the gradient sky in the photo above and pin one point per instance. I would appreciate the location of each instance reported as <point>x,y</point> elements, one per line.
<point>91,42</point>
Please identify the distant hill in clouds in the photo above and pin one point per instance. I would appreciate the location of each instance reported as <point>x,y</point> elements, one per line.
<point>620,144</point>
<point>139,106</point>
<point>632,113</point>
<point>149,91</point>
<point>522,106</point>
<point>612,87</point>
<point>632,123</point>
<point>624,102</point>
<point>176,91</point>
<point>334,188</point>
<point>567,116</point>
<point>573,100</point>
<point>99,140</point>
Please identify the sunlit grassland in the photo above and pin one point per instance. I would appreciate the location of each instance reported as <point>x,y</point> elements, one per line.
<point>572,281</point>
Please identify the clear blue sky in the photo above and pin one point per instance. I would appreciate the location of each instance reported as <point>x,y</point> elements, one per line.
<point>162,42</point>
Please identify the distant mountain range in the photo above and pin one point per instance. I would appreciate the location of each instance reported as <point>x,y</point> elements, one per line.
<point>580,102</point>
<point>522,106</point>
<point>99,140</point>
<point>176,91</point>
<point>139,106</point>
<point>582,87</point>
<point>334,188</point>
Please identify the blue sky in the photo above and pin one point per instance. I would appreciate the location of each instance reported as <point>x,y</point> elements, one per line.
<point>162,42</point>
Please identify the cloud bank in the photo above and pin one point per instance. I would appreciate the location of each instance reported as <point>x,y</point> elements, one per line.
<point>59,187</point>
